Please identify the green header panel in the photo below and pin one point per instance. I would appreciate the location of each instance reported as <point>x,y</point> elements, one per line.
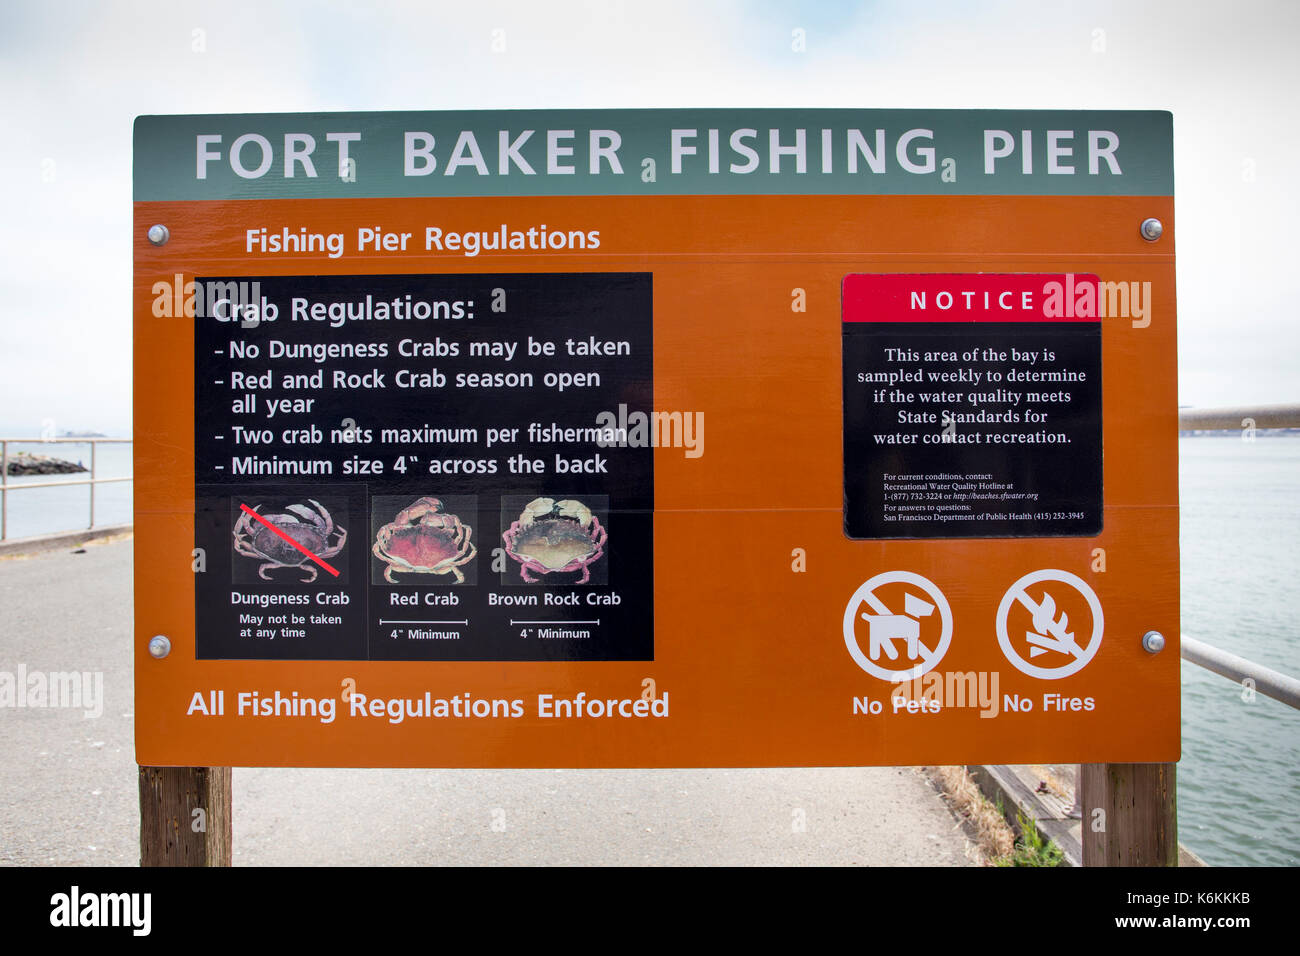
<point>654,152</point>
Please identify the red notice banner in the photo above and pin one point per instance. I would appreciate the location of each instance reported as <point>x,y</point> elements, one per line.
<point>971,297</point>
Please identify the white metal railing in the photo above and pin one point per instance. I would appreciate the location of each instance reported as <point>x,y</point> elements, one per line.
<point>1240,417</point>
<point>6,486</point>
<point>1267,681</point>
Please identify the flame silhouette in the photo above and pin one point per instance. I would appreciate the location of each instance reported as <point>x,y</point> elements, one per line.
<point>1045,619</point>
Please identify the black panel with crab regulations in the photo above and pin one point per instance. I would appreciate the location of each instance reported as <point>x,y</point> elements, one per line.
<point>424,467</point>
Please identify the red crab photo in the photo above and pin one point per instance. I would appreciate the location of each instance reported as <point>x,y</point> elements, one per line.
<point>422,540</point>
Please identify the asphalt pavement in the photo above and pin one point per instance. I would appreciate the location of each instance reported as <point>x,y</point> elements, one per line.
<point>68,792</point>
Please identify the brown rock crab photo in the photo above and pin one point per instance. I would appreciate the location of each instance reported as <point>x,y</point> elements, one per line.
<point>424,539</point>
<point>552,537</point>
<point>310,525</point>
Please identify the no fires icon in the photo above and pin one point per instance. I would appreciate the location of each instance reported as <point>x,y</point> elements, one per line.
<point>1050,624</point>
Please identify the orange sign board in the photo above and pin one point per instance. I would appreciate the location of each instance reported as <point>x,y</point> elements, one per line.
<point>870,459</point>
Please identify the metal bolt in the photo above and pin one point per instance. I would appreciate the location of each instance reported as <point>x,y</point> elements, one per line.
<point>159,234</point>
<point>160,646</point>
<point>1153,642</point>
<point>1152,229</point>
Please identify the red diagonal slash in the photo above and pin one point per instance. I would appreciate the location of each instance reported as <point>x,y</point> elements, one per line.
<point>249,511</point>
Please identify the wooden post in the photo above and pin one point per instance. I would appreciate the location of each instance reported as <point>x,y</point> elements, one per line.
<point>1138,823</point>
<point>172,833</point>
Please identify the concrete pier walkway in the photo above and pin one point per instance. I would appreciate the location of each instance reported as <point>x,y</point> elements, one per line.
<point>68,782</point>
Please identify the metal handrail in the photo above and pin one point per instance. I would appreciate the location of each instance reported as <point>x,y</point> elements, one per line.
<point>6,486</point>
<point>1267,681</point>
<point>1239,417</point>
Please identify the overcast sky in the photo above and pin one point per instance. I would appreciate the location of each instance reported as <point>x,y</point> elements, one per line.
<point>74,75</point>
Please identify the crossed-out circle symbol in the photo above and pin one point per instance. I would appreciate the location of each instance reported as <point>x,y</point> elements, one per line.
<point>1065,643</point>
<point>866,594</point>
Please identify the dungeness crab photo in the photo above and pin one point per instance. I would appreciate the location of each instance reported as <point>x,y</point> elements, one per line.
<point>553,537</point>
<point>424,539</point>
<point>311,525</point>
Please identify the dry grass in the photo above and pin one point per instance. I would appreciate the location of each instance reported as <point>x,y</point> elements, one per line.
<point>994,838</point>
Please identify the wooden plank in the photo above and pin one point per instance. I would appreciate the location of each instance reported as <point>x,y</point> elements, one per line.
<point>1048,811</point>
<point>185,816</point>
<point>1138,820</point>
